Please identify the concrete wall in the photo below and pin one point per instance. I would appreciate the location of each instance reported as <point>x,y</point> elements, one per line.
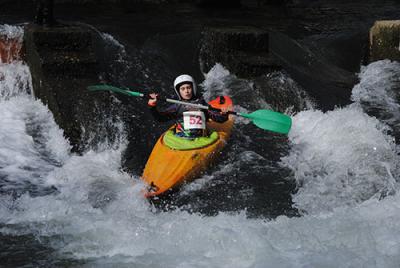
<point>384,40</point>
<point>63,62</point>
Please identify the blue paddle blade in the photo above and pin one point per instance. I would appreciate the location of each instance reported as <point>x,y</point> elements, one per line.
<point>270,120</point>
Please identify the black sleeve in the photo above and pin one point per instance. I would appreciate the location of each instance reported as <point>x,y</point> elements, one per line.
<point>165,115</point>
<point>215,115</point>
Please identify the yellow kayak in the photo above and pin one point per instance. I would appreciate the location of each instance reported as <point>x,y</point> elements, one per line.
<point>167,168</point>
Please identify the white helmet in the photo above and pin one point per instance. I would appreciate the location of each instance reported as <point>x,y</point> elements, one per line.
<point>182,79</point>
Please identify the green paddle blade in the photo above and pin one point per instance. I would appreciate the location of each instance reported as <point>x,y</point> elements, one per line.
<point>270,120</point>
<point>114,89</point>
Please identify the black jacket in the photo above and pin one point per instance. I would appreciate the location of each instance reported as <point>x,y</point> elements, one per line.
<point>175,112</point>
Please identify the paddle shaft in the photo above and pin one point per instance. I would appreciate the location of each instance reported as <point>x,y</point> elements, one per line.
<point>199,106</point>
<point>194,105</point>
<point>265,119</point>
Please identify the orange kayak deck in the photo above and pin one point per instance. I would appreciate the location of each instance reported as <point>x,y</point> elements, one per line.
<point>167,168</point>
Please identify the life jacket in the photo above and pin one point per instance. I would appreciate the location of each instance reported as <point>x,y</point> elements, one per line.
<point>191,122</point>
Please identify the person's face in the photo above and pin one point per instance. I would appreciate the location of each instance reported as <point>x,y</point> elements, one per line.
<point>186,91</point>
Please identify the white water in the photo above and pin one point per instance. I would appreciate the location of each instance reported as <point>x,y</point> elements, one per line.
<point>378,90</point>
<point>12,32</point>
<point>344,157</point>
<point>343,160</point>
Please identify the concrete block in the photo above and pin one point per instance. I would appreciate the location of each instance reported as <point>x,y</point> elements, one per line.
<point>384,40</point>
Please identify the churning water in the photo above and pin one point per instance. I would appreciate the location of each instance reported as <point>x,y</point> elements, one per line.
<point>85,211</point>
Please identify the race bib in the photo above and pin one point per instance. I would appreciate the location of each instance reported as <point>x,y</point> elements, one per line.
<point>194,120</point>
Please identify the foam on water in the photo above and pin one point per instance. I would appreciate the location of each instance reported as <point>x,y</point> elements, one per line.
<point>345,157</point>
<point>128,231</point>
<point>378,89</point>
<point>12,32</point>
<point>341,158</point>
<point>219,81</point>
<point>31,143</point>
<point>214,83</point>
<point>15,79</point>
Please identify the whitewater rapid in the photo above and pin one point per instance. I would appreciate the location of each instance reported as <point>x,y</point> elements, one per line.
<point>344,162</point>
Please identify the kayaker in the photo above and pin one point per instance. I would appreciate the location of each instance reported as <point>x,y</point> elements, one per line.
<point>190,122</point>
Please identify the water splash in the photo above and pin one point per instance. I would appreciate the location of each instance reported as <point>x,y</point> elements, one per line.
<point>378,91</point>
<point>345,157</point>
<point>215,82</point>
<point>31,142</point>
<point>10,43</point>
<point>15,79</point>
<point>12,32</point>
<point>341,158</point>
<point>127,231</point>
<point>117,56</point>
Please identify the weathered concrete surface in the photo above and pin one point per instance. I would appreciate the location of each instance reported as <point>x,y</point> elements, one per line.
<point>243,50</point>
<point>328,84</point>
<point>250,52</point>
<point>219,3</point>
<point>63,63</point>
<point>384,40</point>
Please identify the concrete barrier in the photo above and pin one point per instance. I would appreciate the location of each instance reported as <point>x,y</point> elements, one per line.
<point>243,50</point>
<point>384,40</point>
<point>63,62</point>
